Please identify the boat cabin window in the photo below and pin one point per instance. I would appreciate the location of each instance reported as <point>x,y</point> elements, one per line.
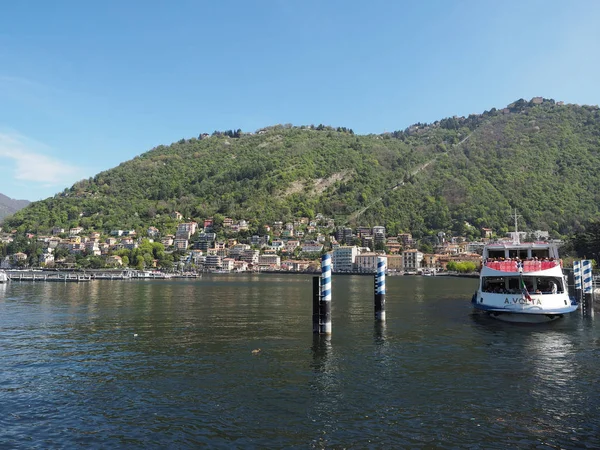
<point>495,254</point>
<point>540,253</point>
<point>512,285</point>
<point>493,284</point>
<point>549,285</point>
<point>517,253</point>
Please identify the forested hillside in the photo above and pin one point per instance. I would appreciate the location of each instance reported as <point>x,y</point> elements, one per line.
<point>455,175</point>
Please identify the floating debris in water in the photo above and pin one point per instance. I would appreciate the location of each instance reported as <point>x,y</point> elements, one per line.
<point>256,351</point>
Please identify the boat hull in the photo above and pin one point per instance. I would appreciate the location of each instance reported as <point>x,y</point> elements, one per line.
<point>523,312</point>
<point>525,318</point>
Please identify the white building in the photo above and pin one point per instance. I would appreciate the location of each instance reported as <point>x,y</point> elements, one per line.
<point>411,260</point>
<point>196,256</point>
<point>366,262</point>
<point>379,232</point>
<point>213,262</point>
<point>228,264</point>
<point>236,250</point>
<point>250,256</point>
<point>223,252</point>
<point>343,258</point>
<point>47,258</point>
<point>269,261</point>
<point>291,246</point>
<point>312,247</point>
<point>277,245</point>
<point>186,230</point>
<point>75,231</point>
<point>92,248</point>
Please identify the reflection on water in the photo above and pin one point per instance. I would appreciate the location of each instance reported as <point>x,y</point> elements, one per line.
<point>379,333</point>
<point>419,289</point>
<point>321,350</point>
<point>169,364</point>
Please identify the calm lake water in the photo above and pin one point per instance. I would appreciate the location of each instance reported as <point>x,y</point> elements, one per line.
<point>169,364</point>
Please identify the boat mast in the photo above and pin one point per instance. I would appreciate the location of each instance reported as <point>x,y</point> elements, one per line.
<point>516,239</point>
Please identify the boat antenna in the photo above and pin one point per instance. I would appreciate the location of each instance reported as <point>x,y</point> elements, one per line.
<point>516,239</point>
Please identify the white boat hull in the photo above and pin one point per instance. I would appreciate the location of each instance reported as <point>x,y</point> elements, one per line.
<point>514,308</point>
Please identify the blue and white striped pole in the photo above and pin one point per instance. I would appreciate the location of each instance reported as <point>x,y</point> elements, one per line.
<point>586,275</point>
<point>380,290</point>
<point>586,269</point>
<point>325,303</point>
<point>577,274</point>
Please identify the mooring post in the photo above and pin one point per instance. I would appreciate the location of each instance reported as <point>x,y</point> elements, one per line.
<point>380,290</point>
<point>577,281</point>
<point>316,302</point>
<point>588,289</point>
<point>325,300</point>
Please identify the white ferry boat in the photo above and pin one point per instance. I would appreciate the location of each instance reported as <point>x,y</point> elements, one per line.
<point>523,282</point>
<point>3,277</point>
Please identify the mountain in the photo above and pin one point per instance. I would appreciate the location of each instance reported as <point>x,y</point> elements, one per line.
<point>455,175</point>
<point>9,206</point>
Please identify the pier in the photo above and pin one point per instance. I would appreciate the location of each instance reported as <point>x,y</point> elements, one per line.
<point>89,275</point>
<point>31,275</point>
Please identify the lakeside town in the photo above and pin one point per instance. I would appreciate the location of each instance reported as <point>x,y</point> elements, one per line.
<point>228,247</point>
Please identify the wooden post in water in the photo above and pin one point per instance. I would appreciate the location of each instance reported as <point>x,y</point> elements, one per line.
<point>577,282</point>
<point>325,300</point>
<point>380,290</point>
<point>316,303</point>
<point>587,305</point>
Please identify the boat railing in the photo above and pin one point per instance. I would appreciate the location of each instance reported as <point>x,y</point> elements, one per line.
<point>504,266</point>
<point>527,266</point>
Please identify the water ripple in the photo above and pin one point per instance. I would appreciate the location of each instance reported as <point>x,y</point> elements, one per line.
<point>170,365</point>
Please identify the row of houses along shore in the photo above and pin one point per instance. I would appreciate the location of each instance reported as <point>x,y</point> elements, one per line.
<point>293,247</point>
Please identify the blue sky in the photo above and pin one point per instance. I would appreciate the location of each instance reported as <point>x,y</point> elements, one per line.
<point>85,86</point>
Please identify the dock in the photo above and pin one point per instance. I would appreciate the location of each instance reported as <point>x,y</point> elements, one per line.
<point>63,277</point>
<point>89,275</point>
